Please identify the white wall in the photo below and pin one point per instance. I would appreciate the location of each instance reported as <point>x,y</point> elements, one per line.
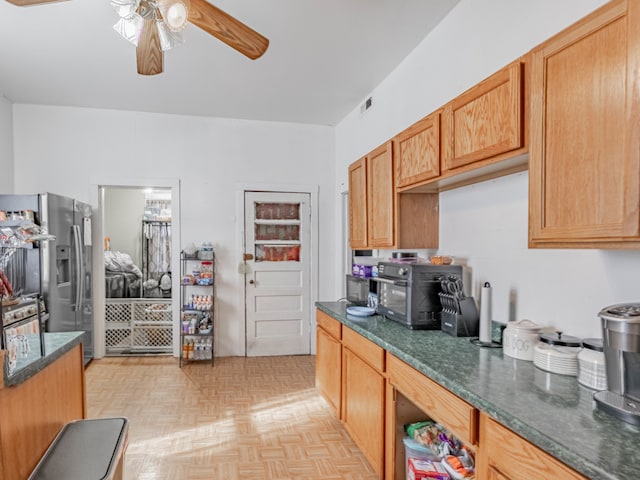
<point>123,212</point>
<point>485,225</point>
<point>6,145</point>
<point>65,150</point>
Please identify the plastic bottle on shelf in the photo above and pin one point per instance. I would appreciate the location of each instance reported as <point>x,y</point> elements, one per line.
<point>208,349</point>
<point>196,271</point>
<point>206,273</point>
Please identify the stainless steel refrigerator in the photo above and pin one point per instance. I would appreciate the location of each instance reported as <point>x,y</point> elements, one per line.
<point>60,269</point>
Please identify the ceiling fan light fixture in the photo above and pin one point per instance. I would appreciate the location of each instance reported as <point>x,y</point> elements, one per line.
<point>175,13</point>
<point>168,38</point>
<point>130,27</point>
<point>125,8</point>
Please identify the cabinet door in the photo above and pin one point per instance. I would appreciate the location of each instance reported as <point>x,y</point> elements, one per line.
<point>363,407</point>
<point>358,204</point>
<point>495,475</point>
<point>485,121</point>
<point>584,165</point>
<point>505,455</point>
<point>328,368</point>
<point>380,197</point>
<point>417,152</point>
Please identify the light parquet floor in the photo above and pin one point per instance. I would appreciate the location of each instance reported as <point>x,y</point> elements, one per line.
<point>244,418</point>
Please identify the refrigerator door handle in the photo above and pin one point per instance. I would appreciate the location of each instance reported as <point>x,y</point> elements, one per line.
<point>78,278</point>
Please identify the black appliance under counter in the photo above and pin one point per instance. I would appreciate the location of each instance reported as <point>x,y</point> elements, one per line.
<point>553,412</point>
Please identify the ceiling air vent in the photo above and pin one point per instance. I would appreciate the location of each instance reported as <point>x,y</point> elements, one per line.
<point>368,103</point>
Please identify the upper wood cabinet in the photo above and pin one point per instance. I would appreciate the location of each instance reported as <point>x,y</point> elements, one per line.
<point>380,197</point>
<point>417,151</point>
<point>371,200</point>
<point>487,121</point>
<point>584,167</point>
<point>379,217</point>
<point>358,204</point>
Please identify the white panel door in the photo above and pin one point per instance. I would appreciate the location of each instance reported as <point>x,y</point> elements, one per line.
<point>277,273</point>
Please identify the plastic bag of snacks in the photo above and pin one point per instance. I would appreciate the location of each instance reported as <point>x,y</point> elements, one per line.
<point>458,460</point>
<point>434,436</point>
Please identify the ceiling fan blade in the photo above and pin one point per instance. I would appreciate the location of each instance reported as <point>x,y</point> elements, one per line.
<point>227,29</point>
<point>149,52</point>
<point>27,3</point>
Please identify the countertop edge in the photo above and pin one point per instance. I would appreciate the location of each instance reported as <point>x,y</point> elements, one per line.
<point>62,342</point>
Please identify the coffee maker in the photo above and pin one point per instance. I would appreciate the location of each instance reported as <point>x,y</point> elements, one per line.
<point>621,342</point>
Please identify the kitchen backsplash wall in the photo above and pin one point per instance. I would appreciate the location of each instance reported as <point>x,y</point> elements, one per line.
<point>485,225</point>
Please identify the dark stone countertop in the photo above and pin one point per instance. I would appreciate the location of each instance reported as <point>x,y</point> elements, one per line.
<point>551,411</point>
<point>56,344</point>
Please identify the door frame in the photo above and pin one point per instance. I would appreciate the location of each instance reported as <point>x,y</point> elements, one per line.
<point>99,304</point>
<point>312,191</point>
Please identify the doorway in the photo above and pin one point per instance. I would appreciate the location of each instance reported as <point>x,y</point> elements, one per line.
<point>138,222</point>
<point>277,272</point>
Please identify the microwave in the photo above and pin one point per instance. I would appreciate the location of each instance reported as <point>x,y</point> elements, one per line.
<point>359,290</point>
<point>408,293</point>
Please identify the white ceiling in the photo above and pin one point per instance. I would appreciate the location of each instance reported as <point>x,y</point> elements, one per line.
<point>324,58</point>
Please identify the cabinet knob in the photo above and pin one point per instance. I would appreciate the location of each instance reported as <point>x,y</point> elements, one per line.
<point>251,282</point>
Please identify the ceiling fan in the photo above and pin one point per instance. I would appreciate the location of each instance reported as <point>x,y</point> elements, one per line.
<point>154,26</point>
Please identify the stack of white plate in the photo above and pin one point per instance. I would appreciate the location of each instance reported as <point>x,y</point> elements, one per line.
<point>557,355</point>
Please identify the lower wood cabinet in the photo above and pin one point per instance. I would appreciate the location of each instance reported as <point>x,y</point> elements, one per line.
<point>459,417</point>
<point>33,412</point>
<point>375,394</point>
<point>363,407</point>
<point>363,395</point>
<point>503,455</point>
<point>412,397</point>
<point>329,359</point>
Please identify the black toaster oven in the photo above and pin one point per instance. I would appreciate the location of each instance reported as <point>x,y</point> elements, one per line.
<point>408,293</point>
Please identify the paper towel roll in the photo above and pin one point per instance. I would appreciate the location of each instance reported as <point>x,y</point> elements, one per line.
<point>485,314</point>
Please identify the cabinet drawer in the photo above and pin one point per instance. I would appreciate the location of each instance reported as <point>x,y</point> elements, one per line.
<point>510,456</point>
<point>329,324</point>
<point>437,402</point>
<point>365,349</point>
